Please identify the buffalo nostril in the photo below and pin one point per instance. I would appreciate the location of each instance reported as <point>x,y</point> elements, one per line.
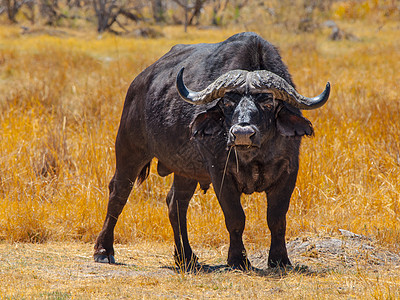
<point>247,131</point>
<point>253,132</point>
<point>243,134</point>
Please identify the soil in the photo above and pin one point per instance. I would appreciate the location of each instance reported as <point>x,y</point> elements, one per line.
<point>311,254</point>
<point>321,254</point>
<point>324,267</point>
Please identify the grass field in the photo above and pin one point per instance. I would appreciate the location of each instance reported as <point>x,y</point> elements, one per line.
<point>61,98</point>
<point>145,271</point>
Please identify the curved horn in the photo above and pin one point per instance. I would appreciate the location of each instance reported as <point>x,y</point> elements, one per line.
<point>261,81</point>
<point>268,82</point>
<point>223,84</point>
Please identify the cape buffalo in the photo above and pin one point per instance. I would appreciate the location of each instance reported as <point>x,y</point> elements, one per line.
<point>241,132</point>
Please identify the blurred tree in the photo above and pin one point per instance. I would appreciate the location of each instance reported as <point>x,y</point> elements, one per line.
<point>191,6</point>
<point>197,7</point>
<point>107,12</point>
<point>75,3</point>
<point>30,13</point>
<point>158,10</point>
<point>294,15</point>
<point>12,7</point>
<point>218,7</point>
<point>238,4</point>
<point>49,10</point>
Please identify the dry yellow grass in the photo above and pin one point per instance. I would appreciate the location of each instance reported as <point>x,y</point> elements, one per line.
<point>61,99</point>
<point>48,271</point>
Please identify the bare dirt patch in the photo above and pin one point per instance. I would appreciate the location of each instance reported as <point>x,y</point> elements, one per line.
<point>347,250</point>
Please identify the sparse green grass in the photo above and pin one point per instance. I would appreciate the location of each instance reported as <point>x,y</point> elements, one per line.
<point>61,99</point>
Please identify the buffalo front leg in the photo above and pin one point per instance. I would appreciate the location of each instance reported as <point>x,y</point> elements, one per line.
<point>278,204</point>
<point>229,200</point>
<point>119,193</point>
<point>178,202</point>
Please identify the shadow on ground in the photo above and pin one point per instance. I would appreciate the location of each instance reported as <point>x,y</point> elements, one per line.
<point>315,255</point>
<point>209,269</point>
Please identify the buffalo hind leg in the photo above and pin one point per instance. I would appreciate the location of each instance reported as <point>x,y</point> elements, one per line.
<point>120,187</point>
<point>278,204</point>
<point>178,199</point>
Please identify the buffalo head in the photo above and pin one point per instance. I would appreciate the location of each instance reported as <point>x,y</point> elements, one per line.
<point>253,105</point>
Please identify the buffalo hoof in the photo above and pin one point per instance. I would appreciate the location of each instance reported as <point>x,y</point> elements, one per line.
<point>283,264</point>
<point>102,257</point>
<point>188,265</point>
<point>240,264</point>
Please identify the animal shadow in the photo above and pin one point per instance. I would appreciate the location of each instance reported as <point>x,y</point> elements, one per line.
<point>202,268</point>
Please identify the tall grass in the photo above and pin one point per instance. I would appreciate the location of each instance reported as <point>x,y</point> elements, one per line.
<point>60,106</point>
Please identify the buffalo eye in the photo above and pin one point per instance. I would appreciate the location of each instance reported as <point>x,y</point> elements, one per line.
<point>266,101</point>
<point>231,99</point>
<point>228,103</point>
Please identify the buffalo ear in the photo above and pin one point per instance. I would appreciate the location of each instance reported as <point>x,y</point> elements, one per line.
<point>293,124</point>
<point>207,123</point>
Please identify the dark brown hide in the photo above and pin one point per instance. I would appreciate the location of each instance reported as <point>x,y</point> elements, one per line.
<point>241,141</point>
